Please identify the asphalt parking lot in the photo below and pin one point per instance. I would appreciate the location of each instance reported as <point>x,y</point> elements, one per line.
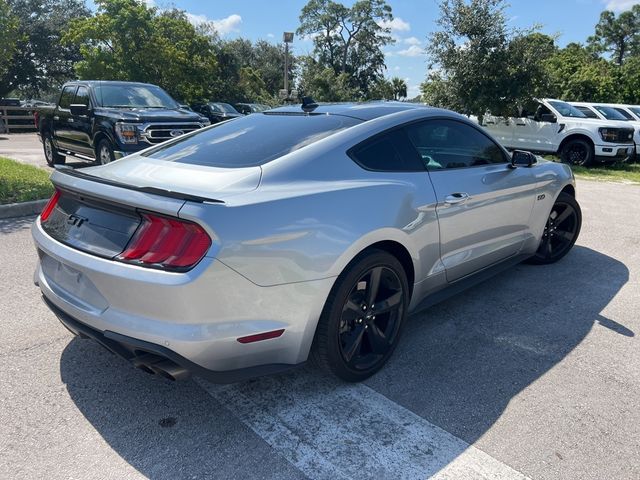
<point>534,374</point>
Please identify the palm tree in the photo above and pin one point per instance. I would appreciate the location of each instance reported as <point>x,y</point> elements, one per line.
<point>399,88</point>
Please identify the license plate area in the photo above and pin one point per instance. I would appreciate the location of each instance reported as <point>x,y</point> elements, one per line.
<point>90,225</point>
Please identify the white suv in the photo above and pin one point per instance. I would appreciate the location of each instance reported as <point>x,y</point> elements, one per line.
<point>559,128</point>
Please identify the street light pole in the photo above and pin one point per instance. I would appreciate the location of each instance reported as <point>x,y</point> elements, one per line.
<point>287,38</point>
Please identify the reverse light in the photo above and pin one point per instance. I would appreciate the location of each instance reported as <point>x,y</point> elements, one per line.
<point>48,208</point>
<point>127,132</point>
<point>168,243</point>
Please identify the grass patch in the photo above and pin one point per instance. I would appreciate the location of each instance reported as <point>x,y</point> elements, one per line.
<point>21,183</point>
<point>617,172</point>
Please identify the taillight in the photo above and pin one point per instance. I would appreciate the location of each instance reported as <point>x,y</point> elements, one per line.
<point>166,243</point>
<point>48,208</point>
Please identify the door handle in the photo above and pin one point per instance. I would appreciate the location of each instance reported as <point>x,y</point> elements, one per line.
<point>458,197</point>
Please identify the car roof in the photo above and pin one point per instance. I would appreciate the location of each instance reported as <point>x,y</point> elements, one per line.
<point>362,111</point>
<point>107,82</point>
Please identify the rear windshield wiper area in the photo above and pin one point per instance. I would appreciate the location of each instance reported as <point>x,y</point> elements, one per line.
<point>153,190</point>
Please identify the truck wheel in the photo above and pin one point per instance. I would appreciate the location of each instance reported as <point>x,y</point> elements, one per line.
<point>362,320</point>
<point>577,152</point>
<point>51,154</point>
<point>104,152</point>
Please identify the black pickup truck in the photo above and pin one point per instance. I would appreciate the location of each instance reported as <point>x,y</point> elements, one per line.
<point>102,121</point>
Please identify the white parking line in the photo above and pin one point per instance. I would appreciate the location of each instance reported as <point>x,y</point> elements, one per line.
<point>330,430</point>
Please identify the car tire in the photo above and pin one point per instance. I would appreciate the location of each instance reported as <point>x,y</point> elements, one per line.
<point>560,232</point>
<point>51,154</point>
<point>104,152</point>
<point>577,152</point>
<point>353,341</point>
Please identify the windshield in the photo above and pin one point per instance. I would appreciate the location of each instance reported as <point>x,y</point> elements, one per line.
<point>133,96</point>
<point>567,110</point>
<point>224,107</point>
<point>251,140</point>
<point>610,113</point>
<point>635,110</point>
<point>624,113</point>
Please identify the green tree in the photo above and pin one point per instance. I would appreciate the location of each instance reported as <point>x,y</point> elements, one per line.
<point>630,81</point>
<point>40,62</point>
<point>382,89</point>
<point>577,74</point>
<point>619,36</point>
<point>349,40</point>
<point>478,64</point>
<point>322,83</point>
<point>8,37</point>
<point>126,40</point>
<point>399,88</point>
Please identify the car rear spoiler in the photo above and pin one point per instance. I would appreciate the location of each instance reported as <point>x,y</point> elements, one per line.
<point>78,173</point>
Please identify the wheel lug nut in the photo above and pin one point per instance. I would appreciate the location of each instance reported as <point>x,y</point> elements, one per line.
<point>364,307</point>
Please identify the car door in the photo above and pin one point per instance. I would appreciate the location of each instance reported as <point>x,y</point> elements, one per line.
<point>483,204</point>
<point>80,125</point>
<point>61,131</point>
<point>538,132</point>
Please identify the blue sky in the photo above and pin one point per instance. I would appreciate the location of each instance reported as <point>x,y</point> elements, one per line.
<point>571,20</point>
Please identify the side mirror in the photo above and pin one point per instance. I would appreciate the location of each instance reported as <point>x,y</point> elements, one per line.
<point>79,110</point>
<point>548,117</point>
<point>520,158</point>
<point>185,107</point>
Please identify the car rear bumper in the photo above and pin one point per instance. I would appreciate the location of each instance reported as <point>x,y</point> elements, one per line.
<point>193,318</point>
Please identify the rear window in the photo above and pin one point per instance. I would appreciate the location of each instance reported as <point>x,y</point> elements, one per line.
<point>251,140</point>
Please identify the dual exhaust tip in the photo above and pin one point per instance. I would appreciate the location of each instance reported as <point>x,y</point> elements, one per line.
<point>163,367</point>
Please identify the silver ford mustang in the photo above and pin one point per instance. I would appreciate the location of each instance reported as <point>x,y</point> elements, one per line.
<point>308,231</point>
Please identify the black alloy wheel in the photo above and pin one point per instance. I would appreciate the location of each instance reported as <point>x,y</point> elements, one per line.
<point>561,230</point>
<point>362,321</point>
<point>577,152</point>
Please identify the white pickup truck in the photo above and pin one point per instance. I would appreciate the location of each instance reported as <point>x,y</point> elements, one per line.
<point>604,111</point>
<point>559,128</point>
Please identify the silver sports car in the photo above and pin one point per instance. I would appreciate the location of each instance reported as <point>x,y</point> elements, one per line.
<point>251,246</point>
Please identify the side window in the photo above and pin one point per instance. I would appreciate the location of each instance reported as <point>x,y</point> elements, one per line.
<point>82,96</point>
<point>451,144</point>
<point>541,110</point>
<point>66,98</point>
<point>388,152</point>
<point>587,111</point>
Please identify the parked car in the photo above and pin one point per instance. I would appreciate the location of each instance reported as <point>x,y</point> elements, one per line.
<point>556,127</point>
<point>216,111</point>
<point>248,108</point>
<point>104,121</point>
<point>609,112</point>
<point>248,247</point>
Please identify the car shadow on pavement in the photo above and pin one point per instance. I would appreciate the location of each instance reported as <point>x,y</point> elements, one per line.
<point>458,366</point>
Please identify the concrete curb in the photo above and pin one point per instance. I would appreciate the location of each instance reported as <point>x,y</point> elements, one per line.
<point>22,209</point>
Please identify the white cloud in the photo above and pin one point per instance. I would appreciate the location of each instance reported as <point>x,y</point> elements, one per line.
<point>412,41</point>
<point>396,25</point>
<point>620,5</point>
<point>270,35</point>
<point>223,26</point>
<point>412,51</point>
